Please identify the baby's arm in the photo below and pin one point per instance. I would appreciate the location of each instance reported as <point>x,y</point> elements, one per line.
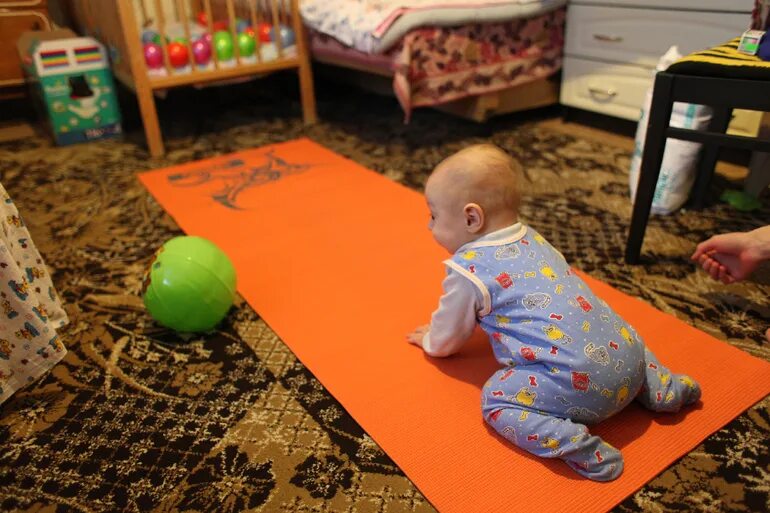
<point>454,320</point>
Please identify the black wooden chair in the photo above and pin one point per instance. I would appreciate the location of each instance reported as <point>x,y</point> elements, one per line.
<point>719,77</point>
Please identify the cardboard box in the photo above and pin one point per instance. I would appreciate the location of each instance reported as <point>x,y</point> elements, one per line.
<point>72,85</point>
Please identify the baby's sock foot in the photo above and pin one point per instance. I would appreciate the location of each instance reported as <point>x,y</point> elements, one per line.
<point>690,389</point>
<point>682,391</point>
<point>594,458</point>
<point>668,392</point>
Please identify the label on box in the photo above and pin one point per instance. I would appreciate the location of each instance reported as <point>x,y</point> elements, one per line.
<point>750,41</point>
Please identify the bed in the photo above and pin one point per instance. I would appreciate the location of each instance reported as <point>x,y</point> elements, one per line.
<point>160,44</point>
<point>474,58</point>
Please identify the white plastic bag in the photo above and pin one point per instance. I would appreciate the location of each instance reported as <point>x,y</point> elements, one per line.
<point>680,159</point>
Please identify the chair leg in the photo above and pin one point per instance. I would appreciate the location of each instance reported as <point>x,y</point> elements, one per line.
<point>566,114</point>
<point>705,172</point>
<point>759,165</point>
<point>759,174</point>
<point>652,158</point>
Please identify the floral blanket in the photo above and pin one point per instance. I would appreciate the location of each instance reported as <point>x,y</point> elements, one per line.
<point>373,26</point>
<point>435,65</point>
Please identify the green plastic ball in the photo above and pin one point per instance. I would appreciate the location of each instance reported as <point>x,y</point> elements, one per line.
<point>223,45</point>
<point>190,284</point>
<point>246,44</point>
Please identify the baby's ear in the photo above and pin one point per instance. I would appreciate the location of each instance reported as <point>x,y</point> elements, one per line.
<point>474,217</point>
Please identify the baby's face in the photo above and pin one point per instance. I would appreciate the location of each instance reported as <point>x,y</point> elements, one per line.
<point>447,219</point>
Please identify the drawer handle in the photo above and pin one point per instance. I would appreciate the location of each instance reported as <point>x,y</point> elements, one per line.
<point>604,92</point>
<point>608,39</point>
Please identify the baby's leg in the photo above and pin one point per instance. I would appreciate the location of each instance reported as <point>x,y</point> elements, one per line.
<point>664,391</point>
<point>548,436</point>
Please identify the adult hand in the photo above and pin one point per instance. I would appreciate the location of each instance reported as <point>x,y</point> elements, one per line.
<point>732,257</point>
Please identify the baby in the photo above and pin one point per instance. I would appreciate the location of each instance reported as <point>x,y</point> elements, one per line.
<point>568,359</point>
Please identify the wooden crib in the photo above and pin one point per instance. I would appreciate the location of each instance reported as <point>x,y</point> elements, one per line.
<point>128,27</point>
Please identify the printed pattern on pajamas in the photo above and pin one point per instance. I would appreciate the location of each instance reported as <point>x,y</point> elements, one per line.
<point>30,309</point>
<point>569,359</point>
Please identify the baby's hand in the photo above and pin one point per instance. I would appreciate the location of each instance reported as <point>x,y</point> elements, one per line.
<point>418,334</point>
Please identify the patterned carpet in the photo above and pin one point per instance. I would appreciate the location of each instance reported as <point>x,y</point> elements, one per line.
<point>139,418</point>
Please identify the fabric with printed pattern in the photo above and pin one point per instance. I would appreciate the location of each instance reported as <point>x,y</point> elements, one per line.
<point>568,359</point>
<point>436,65</point>
<point>30,310</point>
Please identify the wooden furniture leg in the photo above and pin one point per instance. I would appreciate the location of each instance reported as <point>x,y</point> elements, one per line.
<point>142,86</point>
<point>150,121</point>
<point>307,95</point>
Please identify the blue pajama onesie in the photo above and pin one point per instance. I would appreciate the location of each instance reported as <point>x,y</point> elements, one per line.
<point>569,360</point>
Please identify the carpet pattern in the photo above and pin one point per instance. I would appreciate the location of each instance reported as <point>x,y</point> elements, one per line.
<point>140,418</point>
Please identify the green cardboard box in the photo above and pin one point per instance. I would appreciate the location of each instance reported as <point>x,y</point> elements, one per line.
<point>71,82</point>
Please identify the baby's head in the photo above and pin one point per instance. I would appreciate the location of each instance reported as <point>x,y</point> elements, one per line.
<point>471,193</point>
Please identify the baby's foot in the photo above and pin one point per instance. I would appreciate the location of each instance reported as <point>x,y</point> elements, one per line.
<point>669,392</point>
<point>596,459</point>
<point>689,391</point>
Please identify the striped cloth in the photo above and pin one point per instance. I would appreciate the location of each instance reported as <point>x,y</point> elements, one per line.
<point>723,61</point>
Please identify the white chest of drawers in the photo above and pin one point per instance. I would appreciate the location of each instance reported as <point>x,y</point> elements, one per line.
<point>612,47</point>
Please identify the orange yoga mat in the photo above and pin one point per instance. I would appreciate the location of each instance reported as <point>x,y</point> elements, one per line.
<point>338,260</point>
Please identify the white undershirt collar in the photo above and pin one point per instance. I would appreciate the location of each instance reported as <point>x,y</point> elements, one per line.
<point>506,235</point>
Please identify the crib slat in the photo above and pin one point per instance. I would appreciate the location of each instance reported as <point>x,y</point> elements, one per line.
<point>277,28</point>
<point>254,15</point>
<point>180,8</point>
<point>284,12</point>
<point>162,32</point>
<point>145,17</point>
<point>233,32</point>
<point>210,27</point>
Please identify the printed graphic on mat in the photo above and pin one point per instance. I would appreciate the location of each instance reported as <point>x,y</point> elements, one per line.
<point>237,176</point>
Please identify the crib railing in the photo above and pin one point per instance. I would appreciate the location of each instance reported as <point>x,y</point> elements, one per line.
<point>160,44</point>
<point>178,37</point>
<point>181,36</point>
